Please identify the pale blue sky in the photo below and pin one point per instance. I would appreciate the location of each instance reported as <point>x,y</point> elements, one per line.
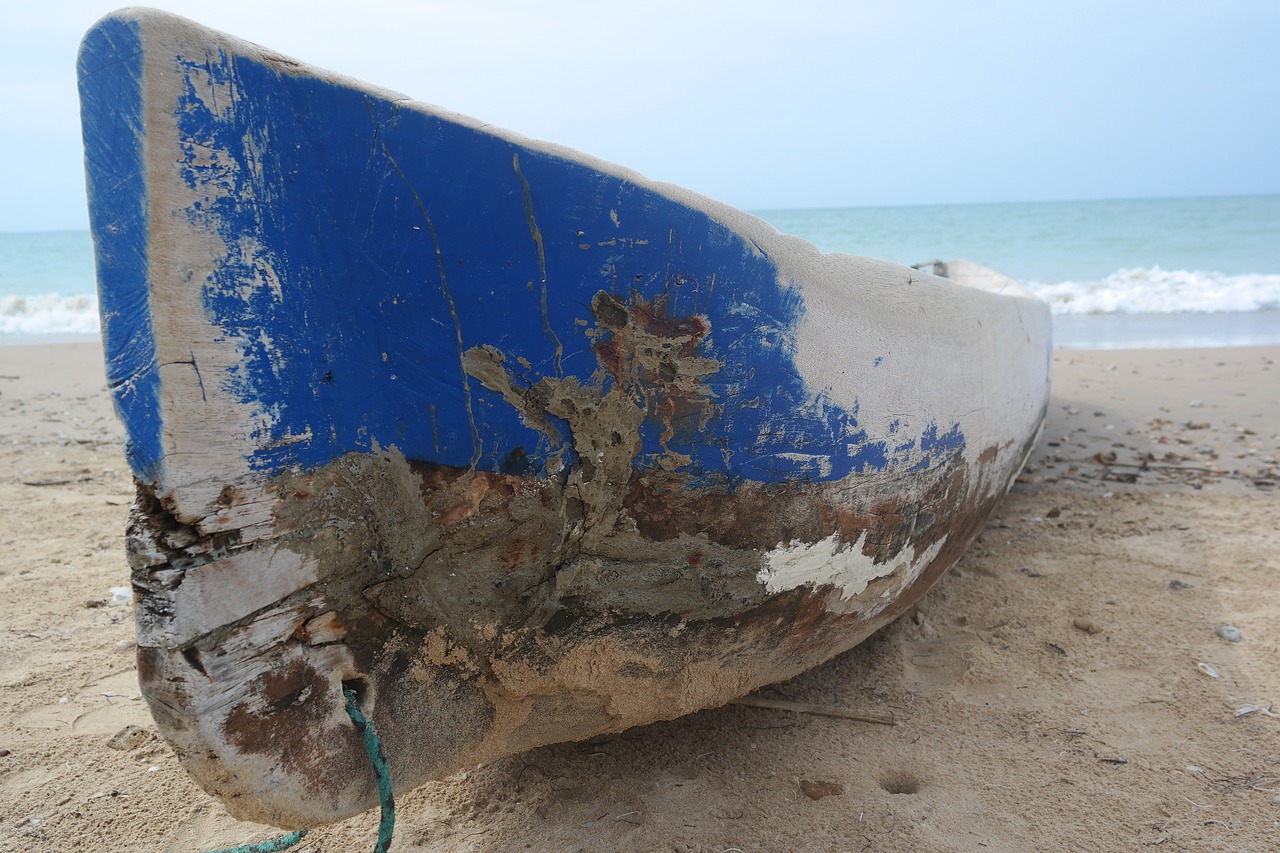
<point>759,104</point>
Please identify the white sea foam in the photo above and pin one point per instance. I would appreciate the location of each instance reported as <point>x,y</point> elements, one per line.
<point>48,314</point>
<point>1157,291</point>
<point>1130,291</point>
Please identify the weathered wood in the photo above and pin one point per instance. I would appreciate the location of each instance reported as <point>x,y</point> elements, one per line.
<point>520,445</point>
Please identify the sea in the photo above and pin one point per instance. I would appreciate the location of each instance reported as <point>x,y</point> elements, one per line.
<point>1137,273</point>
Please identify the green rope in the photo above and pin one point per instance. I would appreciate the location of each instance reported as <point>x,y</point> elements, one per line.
<point>373,746</point>
<point>284,842</point>
<point>381,774</point>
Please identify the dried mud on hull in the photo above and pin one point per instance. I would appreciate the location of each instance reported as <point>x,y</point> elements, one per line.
<point>472,627</point>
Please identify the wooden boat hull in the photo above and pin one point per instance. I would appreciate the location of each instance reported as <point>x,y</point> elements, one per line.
<point>520,445</point>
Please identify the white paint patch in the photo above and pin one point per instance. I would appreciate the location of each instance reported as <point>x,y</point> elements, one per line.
<point>833,562</point>
<point>820,463</point>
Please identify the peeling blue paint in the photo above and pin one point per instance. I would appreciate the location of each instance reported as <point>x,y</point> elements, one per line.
<point>370,245</point>
<point>936,448</point>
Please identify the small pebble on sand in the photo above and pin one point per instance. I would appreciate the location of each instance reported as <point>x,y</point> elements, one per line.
<point>1230,633</point>
<point>1087,625</point>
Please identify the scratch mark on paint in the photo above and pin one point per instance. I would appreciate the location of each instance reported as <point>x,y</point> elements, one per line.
<point>435,430</point>
<point>199,379</point>
<point>536,234</point>
<point>209,75</point>
<point>448,298</point>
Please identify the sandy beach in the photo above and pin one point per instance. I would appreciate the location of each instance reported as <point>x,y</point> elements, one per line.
<point>1065,687</point>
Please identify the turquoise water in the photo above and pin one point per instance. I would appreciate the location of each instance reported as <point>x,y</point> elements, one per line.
<point>46,262</point>
<point>1152,272</point>
<point>1055,242</point>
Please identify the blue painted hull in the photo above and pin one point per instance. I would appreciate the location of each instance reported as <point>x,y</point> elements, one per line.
<point>431,409</point>
<point>386,242</point>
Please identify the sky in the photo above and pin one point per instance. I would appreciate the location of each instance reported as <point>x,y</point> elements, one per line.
<point>763,105</point>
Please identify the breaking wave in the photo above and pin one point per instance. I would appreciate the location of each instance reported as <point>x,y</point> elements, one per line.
<point>48,314</point>
<point>1157,291</point>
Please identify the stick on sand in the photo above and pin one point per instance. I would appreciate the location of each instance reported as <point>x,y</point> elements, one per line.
<point>881,718</point>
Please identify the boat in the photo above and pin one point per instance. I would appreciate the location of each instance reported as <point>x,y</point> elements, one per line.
<point>518,446</point>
